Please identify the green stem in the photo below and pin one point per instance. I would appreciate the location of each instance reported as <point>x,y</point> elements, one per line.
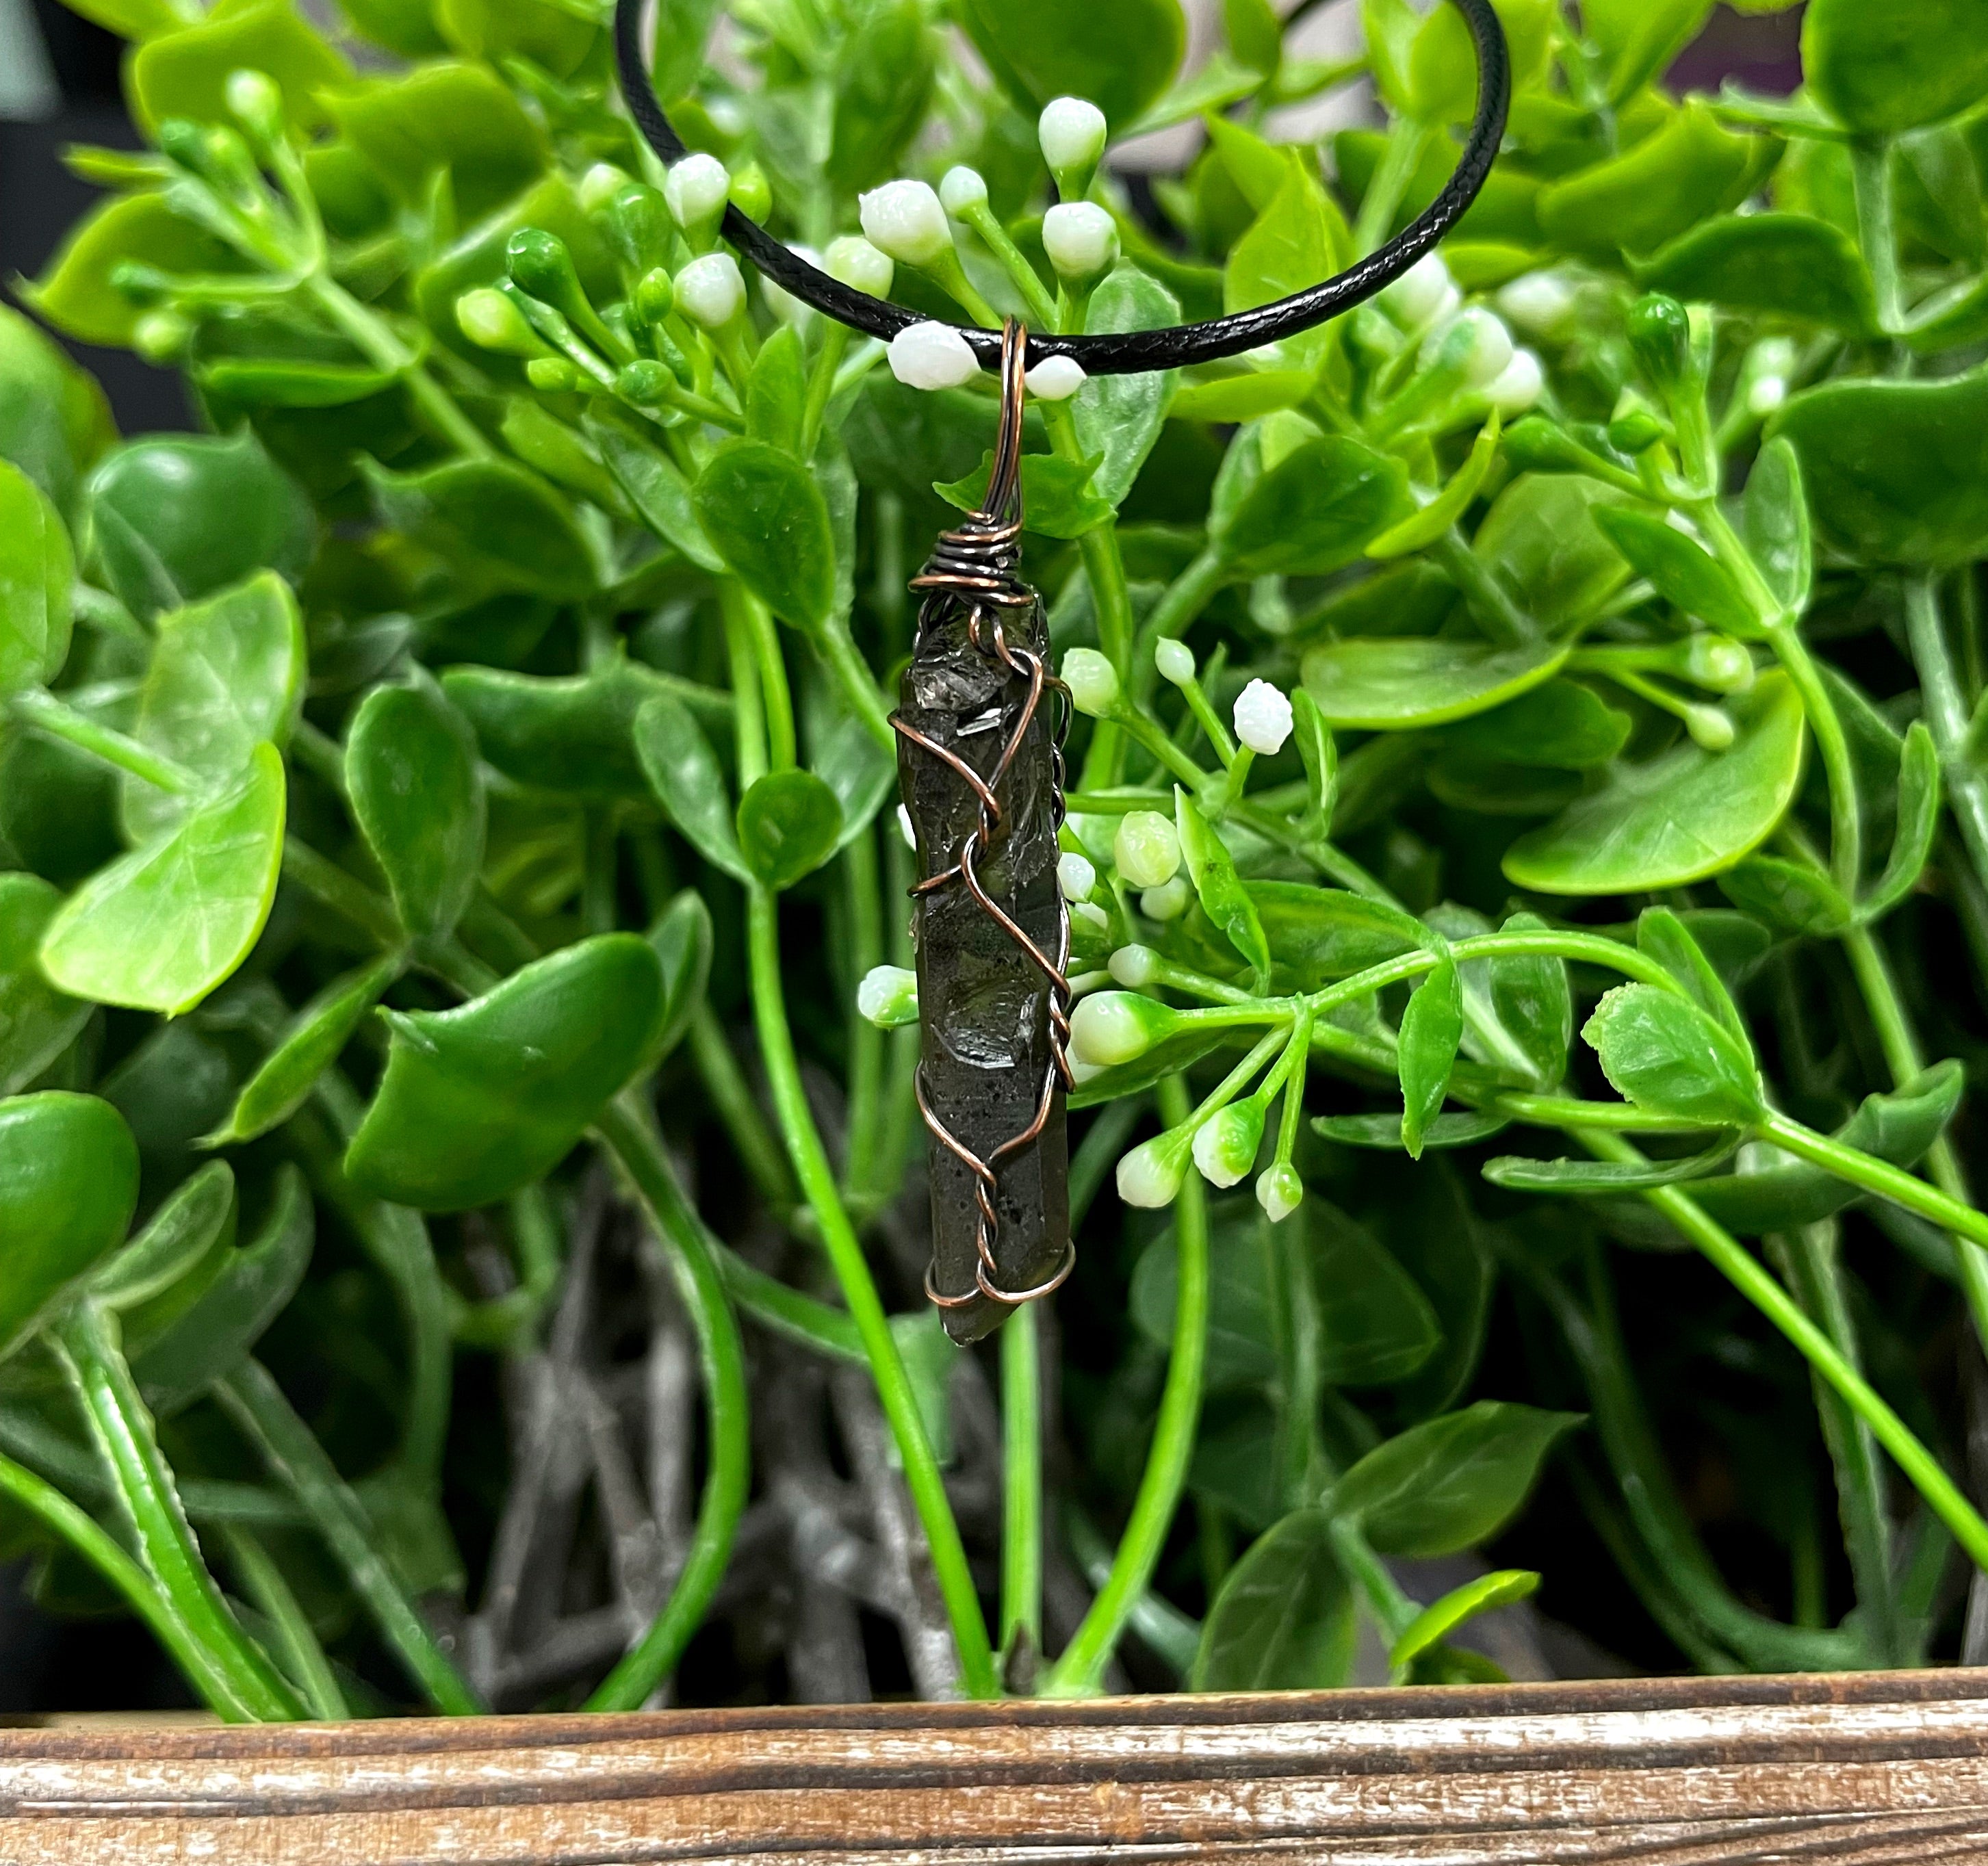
<point>251,1398</point>
<point>1022,1480</point>
<point>821,382</point>
<point>858,685</point>
<point>59,720</point>
<point>1080,1671</point>
<point>1041,307</point>
<point>386,351</point>
<point>230,1664</point>
<point>788,1312</point>
<point>1876,1175</point>
<point>349,897</point>
<point>1185,597</point>
<point>862,894</point>
<point>629,1133</point>
<point>725,1082</point>
<point>302,1657</point>
<point>1946,717</point>
<point>1846,813</point>
<point>1400,156</point>
<point>817,1176</point>
<point>146,1597</point>
<point>1501,618</point>
<point>1393,1611</point>
<point>1871,177</point>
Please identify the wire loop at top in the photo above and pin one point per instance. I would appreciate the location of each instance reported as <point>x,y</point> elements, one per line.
<point>1129,352</point>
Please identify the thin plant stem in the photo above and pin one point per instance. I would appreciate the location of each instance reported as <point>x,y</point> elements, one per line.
<point>1871,179</point>
<point>862,894</point>
<point>302,1657</point>
<point>1080,1671</point>
<point>1965,784</point>
<point>60,720</point>
<point>1022,1480</point>
<point>631,1138</point>
<point>758,1151</point>
<point>789,1313</point>
<point>1876,1175</point>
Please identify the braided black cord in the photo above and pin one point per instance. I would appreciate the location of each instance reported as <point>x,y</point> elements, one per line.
<point>1129,352</point>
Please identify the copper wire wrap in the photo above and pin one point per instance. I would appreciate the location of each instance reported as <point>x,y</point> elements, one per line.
<point>975,564</point>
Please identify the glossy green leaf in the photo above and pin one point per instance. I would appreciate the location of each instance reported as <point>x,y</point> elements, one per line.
<point>74,292</point>
<point>1792,897</point>
<point>1561,725</point>
<point>1880,70</point>
<point>253,1287</point>
<point>1540,539</point>
<point>1118,418</point>
<point>1391,683</point>
<point>448,118</point>
<point>1317,935</point>
<point>776,392</point>
<point>1918,818</point>
<point>684,774</point>
<point>37,571</point>
<point>1375,1325</point>
<point>1503,1587</point>
<point>308,1046</point>
<point>683,939</point>
<point>1662,1053</point>
<point>193,1219</point>
<point>1637,39</point>
<point>1683,570</point>
<point>1316,510</point>
<point>477,1101</point>
<point>1432,1027</point>
<point>1519,1008</point>
<point>1585,1178</point>
<point>788,824</point>
<point>227,675</point>
<point>883,81</point>
<point>495,519</point>
<point>765,516</point>
<point>69,1184</point>
<point>1120,54</point>
<point>1246,396</point>
<point>859,771</point>
<point>1450,1483</point>
<point>656,489</point>
<point>417,795</point>
<point>1297,240</point>
<point>1896,472</point>
<point>1680,817</point>
<point>54,419</point>
<point>1283,1620</point>
<point>1242,1351</point>
<point>1223,898</point>
<point>185,73</point>
<point>175,517</point>
<point>1383,1132</point>
<point>1781,264</point>
<point>1663,935</point>
<point>37,1022</point>
<point>1057,497</point>
<point>1775,525</point>
<point>161,927</point>
<point>1434,520</point>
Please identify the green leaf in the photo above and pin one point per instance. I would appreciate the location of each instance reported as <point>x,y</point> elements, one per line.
<point>1503,1587</point>
<point>1434,520</point>
<point>75,292</point>
<point>194,1218</point>
<point>1519,1009</point>
<point>1297,240</point>
<point>54,420</point>
<point>161,927</point>
<point>1660,1051</point>
<point>69,1184</point>
<point>185,73</point>
<point>685,775</point>
<point>1320,756</point>
<point>1057,499</point>
<point>1317,935</point>
<point>477,1101</point>
<point>882,85</point>
<point>776,392</point>
<point>1561,725</point>
<point>1663,936</point>
<point>788,824</point>
<point>253,1287</point>
<point>1390,683</point>
<point>1283,1620</point>
<point>763,512</point>
<point>1451,1483</point>
<point>1120,54</point>
<point>1918,819</point>
<point>1586,1178</point>
<point>37,1022</point>
<point>1791,897</point>
<point>1680,817</point>
<point>1637,39</point>
<point>682,937</point>
<point>1780,264</point>
<point>1432,1027</point>
<point>656,489</point>
<point>1118,418</point>
<point>37,571</point>
<point>447,118</point>
<point>1540,540</point>
<point>1242,1351</point>
<point>1443,66</point>
<point>1774,524</point>
<point>1316,510</point>
<point>1383,1132</point>
<point>1879,69</point>
<point>1246,396</point>
<point>1223,898</point>
<point>176,517</point>
<point>859,771</point>
<point>1375,1325</point>
<point>1683,571</point>
<point>309,1045</point>
<point>494,520</point>
<point>227,675</point>
<point>417,795</point>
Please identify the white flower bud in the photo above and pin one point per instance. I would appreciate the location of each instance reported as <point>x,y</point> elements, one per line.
<point>1167,901</point>
<point>1147,848</point>
<point>1720,663</point>
<point>782,302</point>
<point>710,291</point>
<point>1279,1192</point>
<point>695,190</point>
<point>1175,661</point>
<point>1765,393</point>
<point>854,261</point>
<point>905,829</point>
<point>1540,303</point>
<point>1080,239</point>
<point>1710,728</point>
<point>1134,966</point>
<point>1225,1144</point>
<point>1479,344</point>
<point>1091,916</point>
<point>599,185</point>
<point>905,219</point>
<point>888,996</point>
<point>1071,131</point>
<point>1108,1028</point>
<point>1262,717</point>
<point>1415,299</point>
<point>1075,876</point>
<point>1149,1175</point>
<point>255,101</point>
<point>1056,379</point>
<point>960,190</point>
<point>1516,386</point>
<point>931,355</point>
<point>1093,681</point>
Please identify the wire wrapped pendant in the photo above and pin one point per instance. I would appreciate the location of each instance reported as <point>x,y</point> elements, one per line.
<point>980,723</point>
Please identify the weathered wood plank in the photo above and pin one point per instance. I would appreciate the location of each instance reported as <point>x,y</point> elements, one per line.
<point>1856,1771</point>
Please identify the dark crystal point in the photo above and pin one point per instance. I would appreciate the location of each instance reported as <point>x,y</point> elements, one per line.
<point>984,1003</point>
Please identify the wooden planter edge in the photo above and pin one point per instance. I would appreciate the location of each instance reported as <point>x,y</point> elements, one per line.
<point>1861,1768</point>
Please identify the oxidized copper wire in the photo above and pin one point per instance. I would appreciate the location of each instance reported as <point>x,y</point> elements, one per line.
<point>975,563</point>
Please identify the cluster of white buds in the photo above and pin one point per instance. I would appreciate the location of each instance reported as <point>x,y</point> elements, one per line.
<point>1424,296</point>
<point>1473,345</point>
<point>782,302</point>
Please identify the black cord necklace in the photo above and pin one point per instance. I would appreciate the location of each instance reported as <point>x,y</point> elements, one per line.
<point>980,725</point>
